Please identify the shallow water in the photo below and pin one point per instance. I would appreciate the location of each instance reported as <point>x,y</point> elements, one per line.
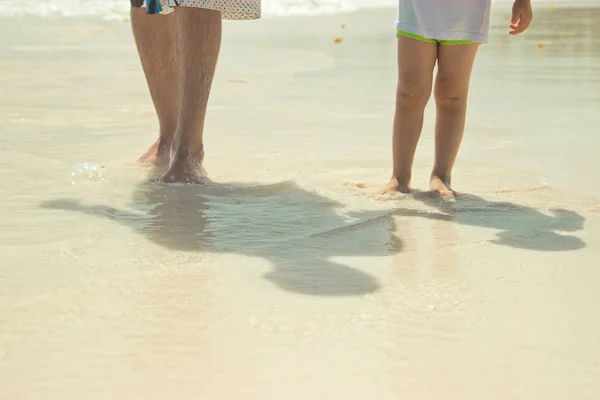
<point>287,277</point>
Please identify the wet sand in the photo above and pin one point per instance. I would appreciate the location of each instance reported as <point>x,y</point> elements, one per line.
<point>289,278</point>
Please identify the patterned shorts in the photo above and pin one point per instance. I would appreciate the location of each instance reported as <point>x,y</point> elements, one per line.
<point>230,9</point>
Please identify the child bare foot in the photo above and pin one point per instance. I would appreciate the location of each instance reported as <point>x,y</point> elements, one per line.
<point>442,186</point>
<point>395,185</point>
<point>188,170</point>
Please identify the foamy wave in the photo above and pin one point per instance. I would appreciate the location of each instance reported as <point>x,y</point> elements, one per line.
<point>64,8</point>
<point>120,8</point>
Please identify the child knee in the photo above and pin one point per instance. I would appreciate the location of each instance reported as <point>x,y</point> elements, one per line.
<point>412,94</point>
<point>449,96</point>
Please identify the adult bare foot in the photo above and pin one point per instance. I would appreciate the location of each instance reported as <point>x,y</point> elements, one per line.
<point>188,170</point>
<point>397,185</point>
<point>441,185</point>
<point>148,159</point>
<point>158,155</point>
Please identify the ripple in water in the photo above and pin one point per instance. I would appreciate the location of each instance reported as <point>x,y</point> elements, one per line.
<point>87,173</point>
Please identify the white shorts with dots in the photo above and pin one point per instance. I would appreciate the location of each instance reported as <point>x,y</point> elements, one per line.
<point>230,9</point>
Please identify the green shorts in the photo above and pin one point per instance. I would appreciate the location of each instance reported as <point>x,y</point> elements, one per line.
<point>434,41</point>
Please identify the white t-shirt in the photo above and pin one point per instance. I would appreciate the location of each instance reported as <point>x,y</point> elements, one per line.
<point>446,19</point>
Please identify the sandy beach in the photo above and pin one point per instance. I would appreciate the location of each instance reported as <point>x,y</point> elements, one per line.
<point>289,278</point>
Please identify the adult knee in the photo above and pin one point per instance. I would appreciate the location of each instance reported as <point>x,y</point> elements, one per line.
<point>411,93</point>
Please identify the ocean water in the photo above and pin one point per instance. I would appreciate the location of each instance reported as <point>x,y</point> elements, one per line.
<point>119,8</point>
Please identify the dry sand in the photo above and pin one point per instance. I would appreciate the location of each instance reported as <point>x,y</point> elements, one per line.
<point>290,279</point>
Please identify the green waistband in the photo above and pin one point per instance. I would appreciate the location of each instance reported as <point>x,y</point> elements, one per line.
<point>434,41</point>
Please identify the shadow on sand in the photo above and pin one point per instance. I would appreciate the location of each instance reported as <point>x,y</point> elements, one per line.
<point>300,232</point>
<point>296,230</point>
<point>520,226</point>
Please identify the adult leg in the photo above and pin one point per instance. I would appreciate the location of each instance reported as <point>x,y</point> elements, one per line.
<point>198,41</point>
<point>416,60</point>
<point>154,39</point>
<point>455,64</point>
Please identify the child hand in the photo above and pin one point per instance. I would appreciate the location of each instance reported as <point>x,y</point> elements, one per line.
<point>522,15</point>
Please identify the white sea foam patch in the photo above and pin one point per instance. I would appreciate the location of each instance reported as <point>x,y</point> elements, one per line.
<point>120,8</point>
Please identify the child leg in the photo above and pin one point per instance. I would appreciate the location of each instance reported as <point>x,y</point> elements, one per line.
<point>416,60</point>
<point>455,63</point>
